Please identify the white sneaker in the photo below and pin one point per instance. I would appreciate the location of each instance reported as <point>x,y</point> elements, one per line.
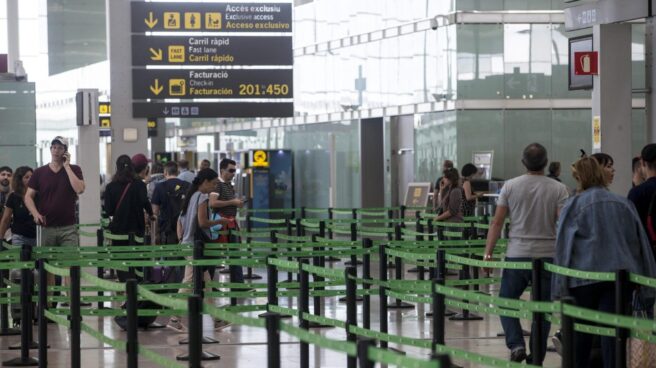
<point>220,324</point>
<point>176,325</point>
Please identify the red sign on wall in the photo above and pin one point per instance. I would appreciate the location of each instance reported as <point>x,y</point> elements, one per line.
<point>586,63</point>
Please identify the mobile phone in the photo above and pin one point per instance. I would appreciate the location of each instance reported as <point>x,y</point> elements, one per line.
<point>245,200</point>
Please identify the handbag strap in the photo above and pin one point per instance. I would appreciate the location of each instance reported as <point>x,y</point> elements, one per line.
<point>122,196</point>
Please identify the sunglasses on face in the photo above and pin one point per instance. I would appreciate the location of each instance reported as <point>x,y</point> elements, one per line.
<point>232,171</point>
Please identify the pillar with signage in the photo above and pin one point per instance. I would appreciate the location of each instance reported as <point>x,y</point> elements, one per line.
<point>611,91</point>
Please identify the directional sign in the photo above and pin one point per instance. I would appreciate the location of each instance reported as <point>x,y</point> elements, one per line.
<point>211,17</point>
<point>208,83</point>
<point>604,12</point>
<point>152,127</point>
<point>212,50</point>
<point>213,109</point>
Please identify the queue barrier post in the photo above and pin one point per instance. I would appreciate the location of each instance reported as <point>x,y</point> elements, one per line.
<point>382,294</point>
<point>567,334</point>
<point>272,323</point>
<point>26,315</point>
<point>622,296</point>
<point>351,311</point>
<point>132,345</point>
<point>41,311</point>
<point>366,275</point>
<point>76,317</point>
<point>538,318</point>
<point>303,301</point>
<point>100,272</point>
<point>363,345</point>
<point>439,311</point>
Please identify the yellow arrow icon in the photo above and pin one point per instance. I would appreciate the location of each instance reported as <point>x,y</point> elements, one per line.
<point>156,89</point>
<point>150,21</point>
<point>155,55</point>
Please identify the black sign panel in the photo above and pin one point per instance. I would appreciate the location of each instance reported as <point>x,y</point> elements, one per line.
<point>212,83</point>
<point>211,17</point>
<point>211,50</point>
<point>213,109</point>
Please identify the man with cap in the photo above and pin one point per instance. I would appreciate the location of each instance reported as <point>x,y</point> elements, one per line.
<point>58,185</point>
<point>140,163</point>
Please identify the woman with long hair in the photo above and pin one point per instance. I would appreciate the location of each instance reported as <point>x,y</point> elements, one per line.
<point>16,215</point>
<point>126,200</point>
<point>598,231</point>
<point>194,224</point>
<point>451,198</point>
<point>469,201</point>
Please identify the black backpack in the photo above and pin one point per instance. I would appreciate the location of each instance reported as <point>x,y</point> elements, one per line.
<point>174,198</point>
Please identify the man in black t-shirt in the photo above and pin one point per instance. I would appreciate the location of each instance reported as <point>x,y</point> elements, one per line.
<point>226,205</point>
<point>167,203</point>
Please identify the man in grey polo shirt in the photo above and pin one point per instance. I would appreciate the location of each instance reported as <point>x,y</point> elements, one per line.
<point>533,202</point>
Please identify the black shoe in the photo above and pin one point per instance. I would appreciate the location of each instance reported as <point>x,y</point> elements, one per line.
<point>518,355</point>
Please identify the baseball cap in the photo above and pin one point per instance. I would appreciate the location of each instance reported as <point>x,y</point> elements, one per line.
<point>140,160</point>
<point>60,140</point>
<point>648,153</point>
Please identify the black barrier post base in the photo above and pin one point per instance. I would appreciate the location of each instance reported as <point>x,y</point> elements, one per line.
<point>400,305</point>
<point>21,362</point>
<point>250,275</point>
<point>465,317</point>
<point>204,340</point>
<point>32,345</point>
<point>203,356</point>
<point>357,299</point>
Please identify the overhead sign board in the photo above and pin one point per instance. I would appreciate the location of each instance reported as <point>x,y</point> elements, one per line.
<point>605,12</point>
<point>212,50</point>
<point>211,17</point>
<point>212,83</point>
<point>212,109</point>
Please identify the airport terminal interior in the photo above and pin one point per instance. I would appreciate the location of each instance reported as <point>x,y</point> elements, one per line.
<point>327,183</point>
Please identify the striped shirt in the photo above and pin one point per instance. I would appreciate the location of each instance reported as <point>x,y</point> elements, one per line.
<point>226,193</point>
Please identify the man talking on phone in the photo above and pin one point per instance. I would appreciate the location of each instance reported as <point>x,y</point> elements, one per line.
<point>224,201</point>
<point>55,187</point>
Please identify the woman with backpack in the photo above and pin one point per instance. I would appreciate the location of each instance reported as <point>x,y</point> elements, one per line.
<point>194,224</point>
<point>126,200</point>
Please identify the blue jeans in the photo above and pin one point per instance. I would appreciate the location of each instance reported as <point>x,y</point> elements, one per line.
<point>598,296</point>
<point>513,285</point>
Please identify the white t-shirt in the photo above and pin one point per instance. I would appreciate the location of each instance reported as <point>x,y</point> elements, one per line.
<point>533,203</point>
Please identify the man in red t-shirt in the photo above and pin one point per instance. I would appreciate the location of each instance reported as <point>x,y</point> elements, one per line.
<point>55,187</point>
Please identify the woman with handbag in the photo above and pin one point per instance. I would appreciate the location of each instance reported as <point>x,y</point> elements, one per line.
<point>598,231</point>
<point>126,200</point>
<point>194,224</point>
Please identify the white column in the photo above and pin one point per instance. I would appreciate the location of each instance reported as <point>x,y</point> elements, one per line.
<point>120,65</point>
<point>88,158</point>
<point>611,98</point>
<point>13,44</point>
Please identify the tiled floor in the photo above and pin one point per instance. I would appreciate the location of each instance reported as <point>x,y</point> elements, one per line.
<point>246,347</point>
